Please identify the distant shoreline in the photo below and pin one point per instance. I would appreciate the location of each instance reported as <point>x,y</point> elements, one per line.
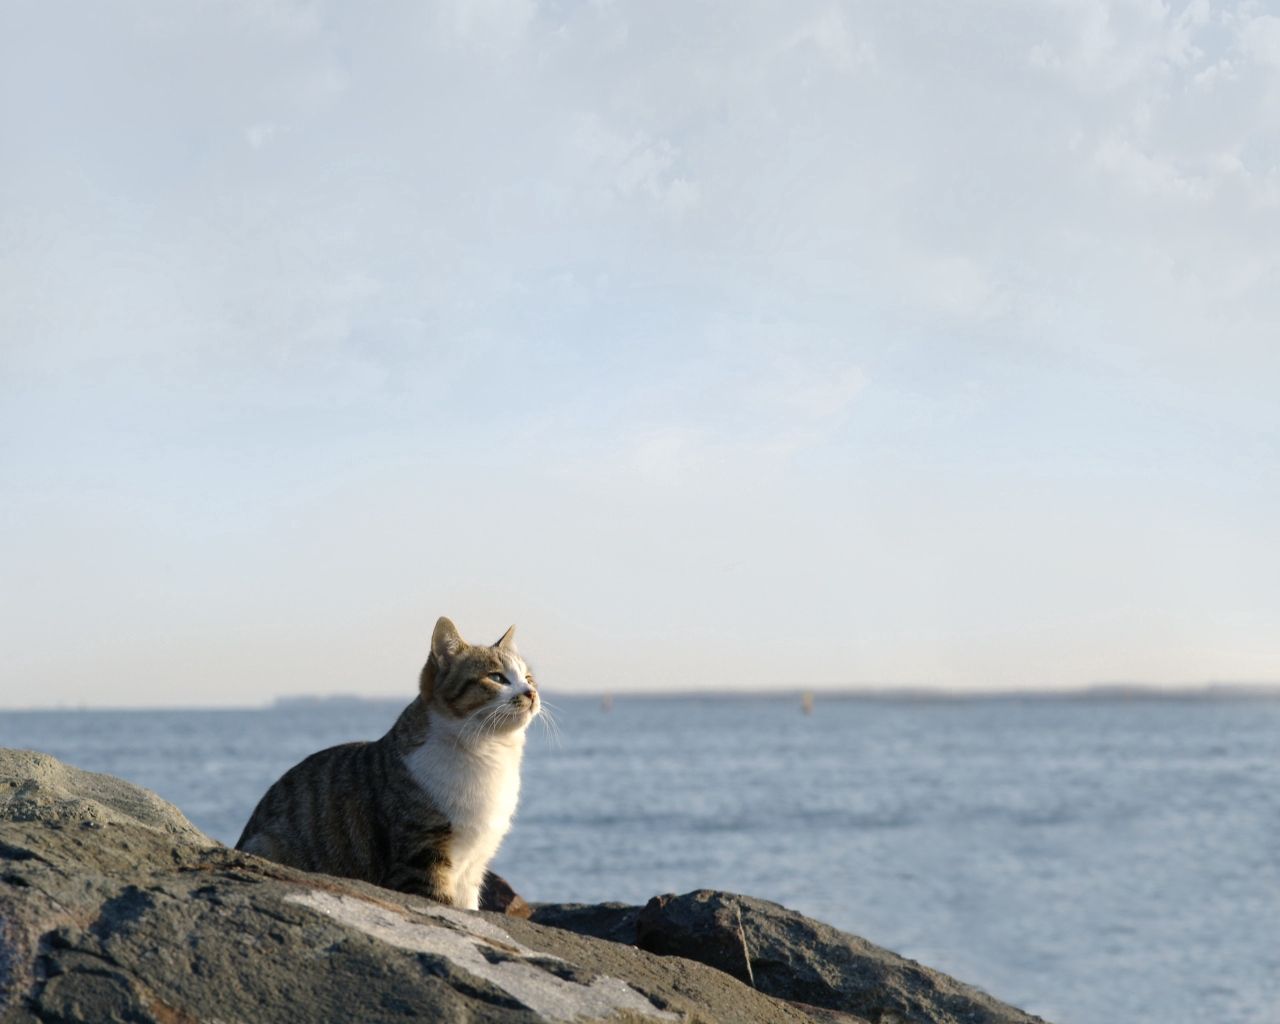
<point>1102,691</point>
<point>1106,692</point>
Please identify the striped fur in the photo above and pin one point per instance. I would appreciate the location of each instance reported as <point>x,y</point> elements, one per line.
<point>424,808</point>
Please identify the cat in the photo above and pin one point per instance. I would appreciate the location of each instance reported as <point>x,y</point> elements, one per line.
<point>424,808</point>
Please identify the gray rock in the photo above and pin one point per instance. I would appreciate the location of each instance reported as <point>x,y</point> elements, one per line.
<point>613,921</point>
<point>829,973</point>
<point>113,907</point>
<point>37,787</point>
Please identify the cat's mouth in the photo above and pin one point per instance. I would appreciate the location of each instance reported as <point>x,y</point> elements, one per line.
<point>513,714</point>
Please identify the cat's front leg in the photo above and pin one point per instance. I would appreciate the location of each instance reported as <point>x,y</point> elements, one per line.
<point>416,885</point>
<point>422,869</point>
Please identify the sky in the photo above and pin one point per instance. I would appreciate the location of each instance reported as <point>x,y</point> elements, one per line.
<point>719,346</point>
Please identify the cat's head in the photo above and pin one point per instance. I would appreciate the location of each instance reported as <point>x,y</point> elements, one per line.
<point>484,691</point>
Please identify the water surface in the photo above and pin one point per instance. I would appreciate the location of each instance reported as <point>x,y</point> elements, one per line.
<point>1091,860</point>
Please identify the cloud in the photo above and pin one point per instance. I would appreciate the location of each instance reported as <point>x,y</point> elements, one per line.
<point>259,135</point>
<point>494,25</point>
<point>830,36</point>
<point>1209,78</point>
<point>628,166</point>
<point>1148,176</point>
<point>958,287</point>
<point>1259,38</point>
<point>1112,45</point>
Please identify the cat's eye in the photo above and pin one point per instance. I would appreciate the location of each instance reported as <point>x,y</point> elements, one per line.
<point>498,677</point>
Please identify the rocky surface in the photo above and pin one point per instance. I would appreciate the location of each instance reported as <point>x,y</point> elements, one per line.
<point>787,955</point>
<point>113,907</point>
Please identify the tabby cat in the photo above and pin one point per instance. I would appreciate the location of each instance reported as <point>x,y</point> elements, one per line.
<point>424,808</point>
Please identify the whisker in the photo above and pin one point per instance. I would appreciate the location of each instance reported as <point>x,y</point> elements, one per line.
<point>549,707</point>
<point>551,726</point>
<point>478,722</point>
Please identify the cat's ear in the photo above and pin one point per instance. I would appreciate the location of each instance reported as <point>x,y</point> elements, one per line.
<point>508,640</point>
<point>427,680</point>
<point>445,643</point>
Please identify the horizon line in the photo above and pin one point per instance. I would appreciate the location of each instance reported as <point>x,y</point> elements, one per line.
<point>1112,691</point>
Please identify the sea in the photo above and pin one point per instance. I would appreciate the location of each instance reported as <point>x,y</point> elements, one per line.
<point>1093,860</point>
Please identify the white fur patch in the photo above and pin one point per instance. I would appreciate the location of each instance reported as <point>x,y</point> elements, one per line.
<point>514,668</point>
<point>475,783</point>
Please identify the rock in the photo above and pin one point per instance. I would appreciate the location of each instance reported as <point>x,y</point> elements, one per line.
<point>113,907</point>
<point>613,921</point>
<point>792,957</point>
<point>37,787</point>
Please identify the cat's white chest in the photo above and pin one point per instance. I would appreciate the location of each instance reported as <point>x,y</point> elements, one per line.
<point>477,789</point>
